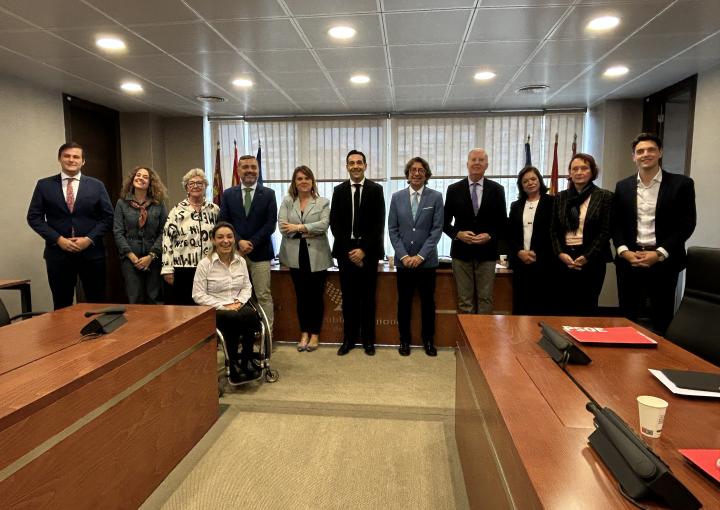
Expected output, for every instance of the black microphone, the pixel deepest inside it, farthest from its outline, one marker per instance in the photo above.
(110, 309)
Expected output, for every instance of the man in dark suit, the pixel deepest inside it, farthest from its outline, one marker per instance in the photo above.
(653, 216)
(475, 215)
(72, 212)
(357, 221)
(252, 210)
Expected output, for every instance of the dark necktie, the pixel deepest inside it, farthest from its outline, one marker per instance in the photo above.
(356, 211)
(474, 197)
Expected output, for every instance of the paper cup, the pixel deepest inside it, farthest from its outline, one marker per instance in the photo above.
(652, 415)
(391, 262)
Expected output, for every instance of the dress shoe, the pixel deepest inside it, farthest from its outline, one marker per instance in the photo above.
(430, 349)
(345, 348)
(313, 344)
(370, 350)
(404, 350)
(303, 343)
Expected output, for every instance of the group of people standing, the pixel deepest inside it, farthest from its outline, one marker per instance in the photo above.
(201, 253)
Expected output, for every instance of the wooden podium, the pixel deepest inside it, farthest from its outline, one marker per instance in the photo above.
(99, 423)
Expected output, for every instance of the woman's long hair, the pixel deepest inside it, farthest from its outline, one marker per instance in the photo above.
(156, 189)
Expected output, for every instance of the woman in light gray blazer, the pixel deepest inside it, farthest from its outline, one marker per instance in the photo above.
(304, 218)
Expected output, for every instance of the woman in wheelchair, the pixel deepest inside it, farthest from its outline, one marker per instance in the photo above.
(222, 281)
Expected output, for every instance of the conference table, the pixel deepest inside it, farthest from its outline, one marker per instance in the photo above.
(100, 422)
(521, 425)
(24, 287)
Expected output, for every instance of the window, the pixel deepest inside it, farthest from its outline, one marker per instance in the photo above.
(389, 143)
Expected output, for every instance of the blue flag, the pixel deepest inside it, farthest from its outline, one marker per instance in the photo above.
(259, 160)
(528, 159)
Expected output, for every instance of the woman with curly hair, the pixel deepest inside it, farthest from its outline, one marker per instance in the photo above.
(140, 215)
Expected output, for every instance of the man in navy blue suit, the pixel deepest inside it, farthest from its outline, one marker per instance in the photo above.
(252, 210)
(72, 212)
(415, 224)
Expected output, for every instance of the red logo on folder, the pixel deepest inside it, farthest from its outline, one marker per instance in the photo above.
(622, 335)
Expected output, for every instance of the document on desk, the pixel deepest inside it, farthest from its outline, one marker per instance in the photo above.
(704, 459)
(681, 391)
(625, 335)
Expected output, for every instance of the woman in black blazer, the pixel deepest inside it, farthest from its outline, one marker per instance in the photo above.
(581, 238)
(532, 259)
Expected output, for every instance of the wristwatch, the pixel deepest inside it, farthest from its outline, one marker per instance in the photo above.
(660, 255)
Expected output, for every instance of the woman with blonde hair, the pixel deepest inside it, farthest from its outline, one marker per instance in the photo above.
(304, 218)
(140, 215)
(186, 238)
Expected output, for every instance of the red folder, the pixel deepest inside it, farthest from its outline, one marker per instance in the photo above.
(619, 336)
(705, 459)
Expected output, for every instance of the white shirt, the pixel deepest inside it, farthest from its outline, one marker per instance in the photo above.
(354, 190)
(576, 238)
(216, 284)
(419, 192)
(75, 183)
(528, 219)
(480, 185)
(647, 197)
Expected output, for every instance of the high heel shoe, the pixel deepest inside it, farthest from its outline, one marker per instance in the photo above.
(303, 343)
(313, 344)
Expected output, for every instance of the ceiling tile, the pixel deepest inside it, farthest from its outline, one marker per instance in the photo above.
(232, 9)
(553, 75)
(514, 24)
(40, 45)
(378, 78)
(421, 55)
(183, 37)
(584, 51)
(371, 57)
(311, 95)
(323, 7)
(261, 34)
(423, 76)
(466, 76)
(689, 17)
(283, 60)
(131, 12)
(419, 93)
(8, 22)
(213, 63)
(65, 14)
(410, 5)
(366, 25)
(490, 53)
(365, 93)
(299, 80)
(475, 91)
(412, 27)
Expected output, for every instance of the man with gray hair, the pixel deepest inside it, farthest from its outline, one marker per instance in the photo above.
(475, 215)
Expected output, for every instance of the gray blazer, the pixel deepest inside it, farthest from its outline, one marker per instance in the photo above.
(420, 235)
(130, 238)
(316, 219)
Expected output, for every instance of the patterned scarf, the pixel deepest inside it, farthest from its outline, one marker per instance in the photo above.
(143, 210)
(575, 200)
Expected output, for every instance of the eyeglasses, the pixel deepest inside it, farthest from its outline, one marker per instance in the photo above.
(195, 184)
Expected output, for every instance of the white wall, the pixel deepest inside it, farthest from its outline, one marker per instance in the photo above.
(705, 164)
(31, 131)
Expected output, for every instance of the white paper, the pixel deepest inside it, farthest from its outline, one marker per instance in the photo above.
(681, 391)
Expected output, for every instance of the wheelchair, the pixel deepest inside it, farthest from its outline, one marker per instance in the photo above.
(260, 358)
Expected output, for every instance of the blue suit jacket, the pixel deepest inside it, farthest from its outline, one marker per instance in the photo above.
(258, 226)
(419, 235)
(92, 215)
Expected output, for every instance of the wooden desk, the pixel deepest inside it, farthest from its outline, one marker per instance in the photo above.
(521, 424)
(446, 330)
(24, 287)
(100, 423)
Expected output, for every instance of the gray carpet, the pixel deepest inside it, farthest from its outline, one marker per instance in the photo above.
(334, 432)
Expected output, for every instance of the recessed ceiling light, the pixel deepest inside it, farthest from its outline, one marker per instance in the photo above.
(131, 86)
(484, 75)
(242, 83)
(342, 32)
(360, 79)
(615, 71)
(110, 43)
(603, 23)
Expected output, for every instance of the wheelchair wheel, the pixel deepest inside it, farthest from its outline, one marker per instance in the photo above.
(271, 375)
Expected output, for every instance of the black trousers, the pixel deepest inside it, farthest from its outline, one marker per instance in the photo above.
(422, 279)
(647, 293)
(63, 274)
(579, 290)
(238, 327)
(358, 285)
(534, 288)
(180, 292)
(309, 289)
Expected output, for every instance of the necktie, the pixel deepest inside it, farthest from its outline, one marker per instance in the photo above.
(70, 195)
(356, 211)
(414, 205)
(474, 197)
(246, 200)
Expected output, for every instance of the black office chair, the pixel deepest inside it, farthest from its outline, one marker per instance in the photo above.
(5, 318)
(696, 325)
